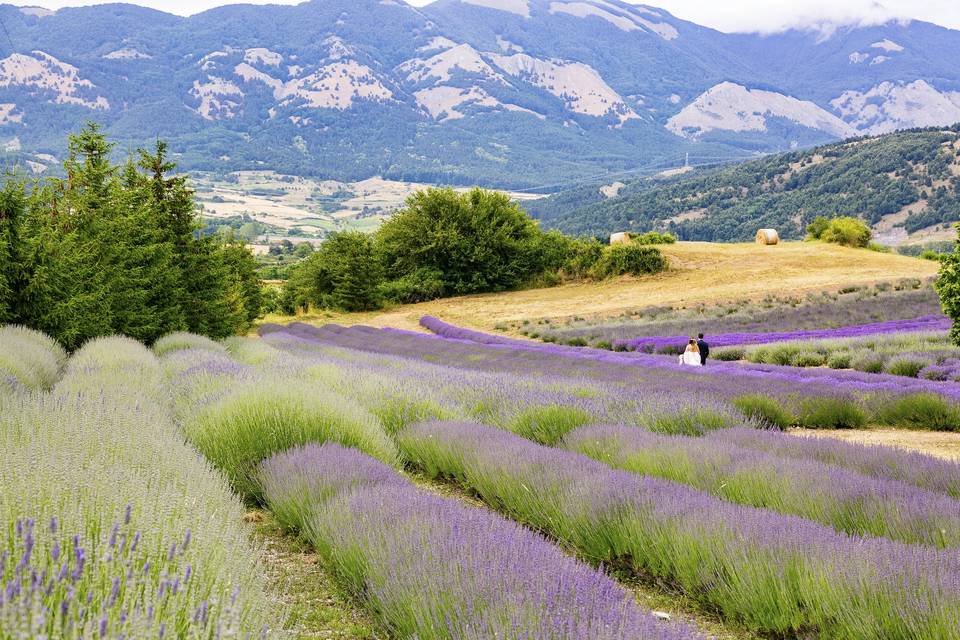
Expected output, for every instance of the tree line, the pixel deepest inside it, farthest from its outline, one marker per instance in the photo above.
(445, 243)
(115, 248)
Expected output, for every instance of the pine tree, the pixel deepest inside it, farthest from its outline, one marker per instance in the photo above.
(12, 206)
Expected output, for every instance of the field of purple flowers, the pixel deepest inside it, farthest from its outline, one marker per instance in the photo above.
(655, 328)
(588, 468)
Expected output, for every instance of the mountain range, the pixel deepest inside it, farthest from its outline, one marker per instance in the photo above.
(525, 94)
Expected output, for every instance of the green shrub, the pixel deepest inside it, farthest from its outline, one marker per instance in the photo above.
(905, 366)
(782, 354)
(257, 420)
(867, 362)
(808, 359)
(729, 354)
(396, 412)
(839, 360)
(689, 422)
(548, 424)
(767, 411)
(630, 259)
(654, 237)
(830, 413)
(419, 286)
(920, 411)
(847, 231)
(930, 254)
(816, 228)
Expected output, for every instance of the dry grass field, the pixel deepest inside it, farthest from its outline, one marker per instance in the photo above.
(935, 443)
(699, 272)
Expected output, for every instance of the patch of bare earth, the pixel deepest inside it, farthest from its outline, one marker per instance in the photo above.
(935, 443)
(300, 584)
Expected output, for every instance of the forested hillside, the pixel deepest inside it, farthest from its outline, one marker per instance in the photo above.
(900, 183)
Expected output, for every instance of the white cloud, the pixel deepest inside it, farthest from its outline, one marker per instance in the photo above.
(765, 16)
(822, 15)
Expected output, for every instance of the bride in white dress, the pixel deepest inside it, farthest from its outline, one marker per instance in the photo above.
(691, 356)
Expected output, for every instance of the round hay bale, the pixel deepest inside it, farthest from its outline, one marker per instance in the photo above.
(768, 237)
(621, 237)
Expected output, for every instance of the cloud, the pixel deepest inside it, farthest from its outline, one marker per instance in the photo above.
(824, 16)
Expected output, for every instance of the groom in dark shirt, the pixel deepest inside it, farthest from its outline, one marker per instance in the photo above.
(704, 349)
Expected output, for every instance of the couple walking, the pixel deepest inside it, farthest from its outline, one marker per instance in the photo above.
(696, 352)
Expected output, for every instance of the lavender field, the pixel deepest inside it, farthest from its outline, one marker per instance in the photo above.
(573, 474)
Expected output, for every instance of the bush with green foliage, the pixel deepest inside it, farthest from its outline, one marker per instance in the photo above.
(920, 411)
(632, 259)
(847, 231)
(948, 288)
(816, 228)
(479, 240)
(444, 243)
(344, 273)
(765, 410)
(830, 413)
(654, 237)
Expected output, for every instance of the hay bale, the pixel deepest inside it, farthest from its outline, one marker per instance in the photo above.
(768, 237)
(622, 237)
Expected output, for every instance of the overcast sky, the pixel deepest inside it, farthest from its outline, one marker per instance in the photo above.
(726, 15)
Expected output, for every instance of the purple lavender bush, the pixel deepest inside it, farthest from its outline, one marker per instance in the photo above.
(61, 584)
(772, 572)
(431, 567)
(843, 499)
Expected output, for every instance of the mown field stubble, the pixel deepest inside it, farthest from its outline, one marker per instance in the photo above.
(700, 272)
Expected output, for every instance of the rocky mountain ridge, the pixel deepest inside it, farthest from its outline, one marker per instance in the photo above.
(515, 93)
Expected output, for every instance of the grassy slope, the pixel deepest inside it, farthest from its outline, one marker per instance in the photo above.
(700, 272)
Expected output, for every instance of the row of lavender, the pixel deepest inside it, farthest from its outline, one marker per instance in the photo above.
(441, 569)
(657, 394)
(915, 508)
(866, 396)
(112, 526)
(776, 573)
(365, 364)
(824, 310)
(676, 344)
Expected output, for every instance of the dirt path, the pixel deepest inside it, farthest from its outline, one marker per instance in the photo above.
(700, 272)
(934, 443)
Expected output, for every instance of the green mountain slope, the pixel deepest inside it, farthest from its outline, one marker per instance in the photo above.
(906, 185)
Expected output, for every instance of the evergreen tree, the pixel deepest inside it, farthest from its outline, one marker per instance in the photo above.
(12, 206)
(114, 250)
(358, 276)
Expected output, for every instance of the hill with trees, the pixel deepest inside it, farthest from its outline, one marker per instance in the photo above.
(901, 184)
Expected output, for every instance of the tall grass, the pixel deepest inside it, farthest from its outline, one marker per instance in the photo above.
(257, 419)
(149, 535)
